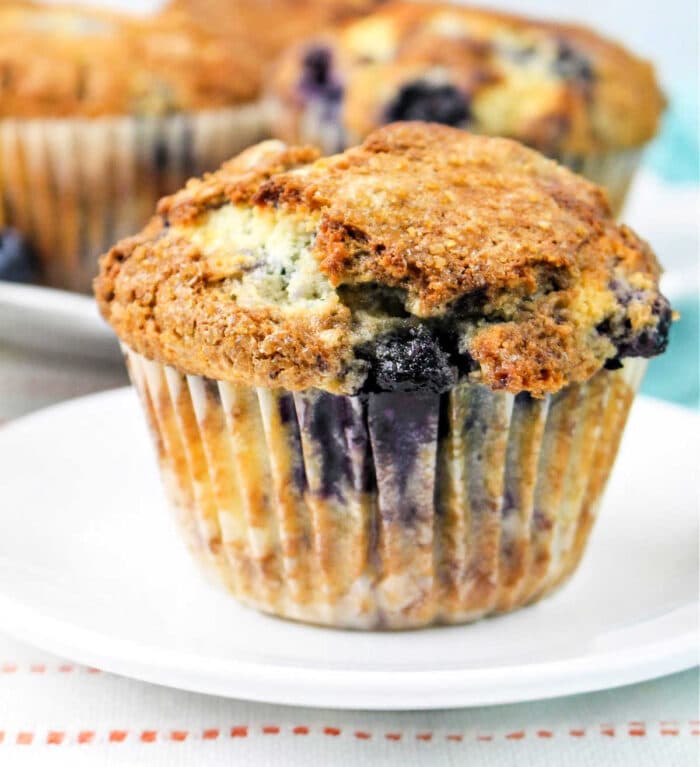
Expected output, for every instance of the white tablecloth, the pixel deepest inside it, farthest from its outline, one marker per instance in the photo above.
(55, 712)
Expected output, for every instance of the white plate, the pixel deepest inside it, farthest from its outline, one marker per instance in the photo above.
(55, 321)
(91, 569)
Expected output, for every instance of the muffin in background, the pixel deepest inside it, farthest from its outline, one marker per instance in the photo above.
(386, 387)
(562, 89)
(101, 115)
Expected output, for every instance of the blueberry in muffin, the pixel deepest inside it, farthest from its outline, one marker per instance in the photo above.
(431, 103)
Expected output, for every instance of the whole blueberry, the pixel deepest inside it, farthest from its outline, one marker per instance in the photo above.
(429, 102)
(17, 260)
(408, 359)
(650, 341)
(646, 342)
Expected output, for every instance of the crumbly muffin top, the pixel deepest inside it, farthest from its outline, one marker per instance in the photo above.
(59, 61)
(561, 89)
(421, 257)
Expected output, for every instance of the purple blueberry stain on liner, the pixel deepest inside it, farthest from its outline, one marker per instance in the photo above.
(357, 436)
(444, 425)
(326, 418)
(524, 409)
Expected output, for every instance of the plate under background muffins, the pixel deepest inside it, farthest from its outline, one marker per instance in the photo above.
(562, 89)
(386, 387)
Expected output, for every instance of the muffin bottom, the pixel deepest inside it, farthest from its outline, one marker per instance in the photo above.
(76, 186)
(391, 511)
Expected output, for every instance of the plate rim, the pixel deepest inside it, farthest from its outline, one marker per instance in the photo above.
(364, 689)
(47, 300)
(368, 689)
(49, 320)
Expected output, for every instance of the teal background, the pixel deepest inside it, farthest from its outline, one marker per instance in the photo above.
(674, 376)
(673, 156)
(675, 159)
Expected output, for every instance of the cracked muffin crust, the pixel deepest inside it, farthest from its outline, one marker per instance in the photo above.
(559, 88)
(424, 257)
(62, 60)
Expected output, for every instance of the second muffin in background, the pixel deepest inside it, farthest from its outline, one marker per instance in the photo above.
(575, 96)
(386, 387)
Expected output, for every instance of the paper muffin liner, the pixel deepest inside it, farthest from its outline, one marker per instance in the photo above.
(613, 170)
(389, 511)
(75, 186)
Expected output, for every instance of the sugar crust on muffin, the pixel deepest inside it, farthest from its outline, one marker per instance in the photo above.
(425, 256)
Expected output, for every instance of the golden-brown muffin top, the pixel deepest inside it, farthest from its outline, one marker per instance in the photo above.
(559, 88)
(424, 255)
(58, 61)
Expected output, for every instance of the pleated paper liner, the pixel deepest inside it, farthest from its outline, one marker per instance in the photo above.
(391, 511)
(76, 186)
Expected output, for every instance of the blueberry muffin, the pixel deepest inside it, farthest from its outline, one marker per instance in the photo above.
(386, 387)
(102, 114)
(576, 97)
